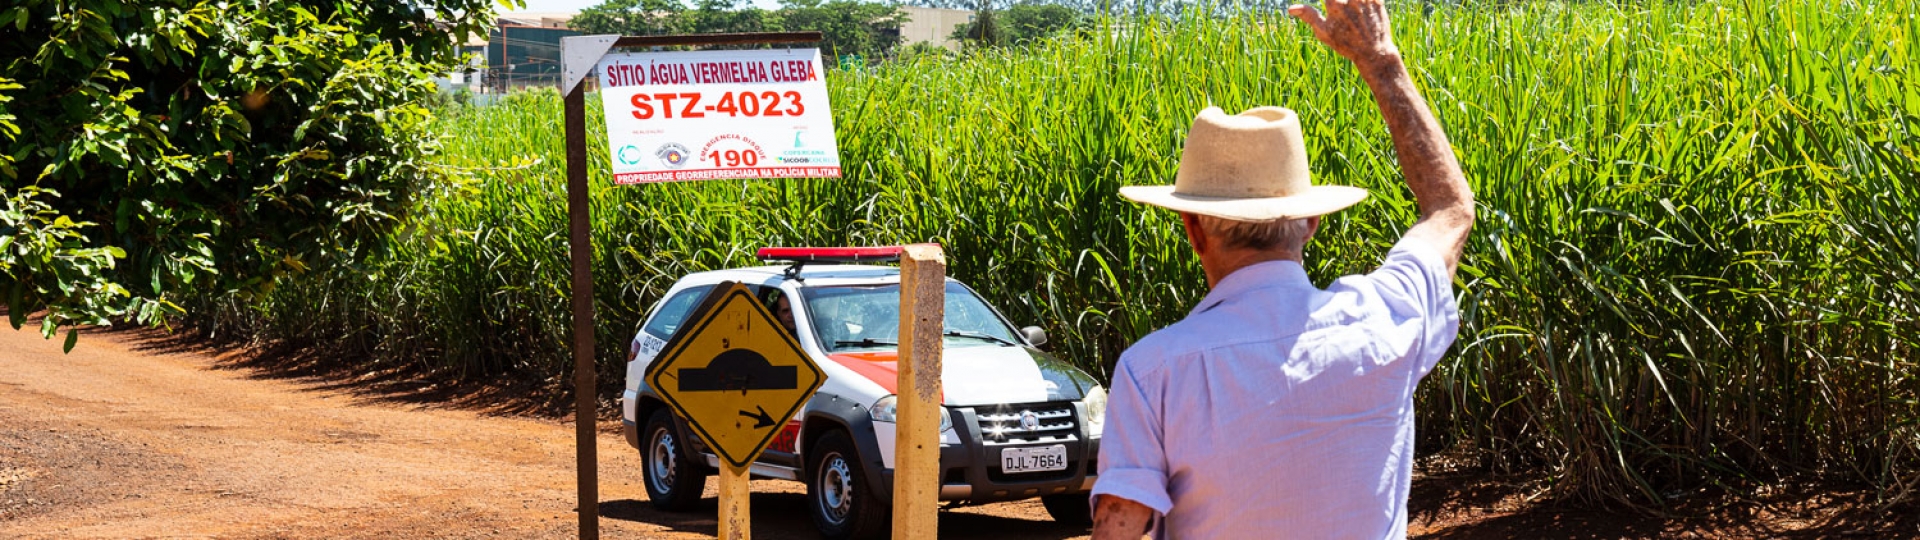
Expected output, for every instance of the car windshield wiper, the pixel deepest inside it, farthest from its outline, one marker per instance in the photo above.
(864, 342)
(978, 335)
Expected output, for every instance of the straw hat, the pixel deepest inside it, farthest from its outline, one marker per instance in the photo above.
(1250, 166)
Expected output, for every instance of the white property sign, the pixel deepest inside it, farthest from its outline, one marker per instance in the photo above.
(706, 115)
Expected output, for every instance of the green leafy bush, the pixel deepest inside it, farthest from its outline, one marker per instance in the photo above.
(163, 145)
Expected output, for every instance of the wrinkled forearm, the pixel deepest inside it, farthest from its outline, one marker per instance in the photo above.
(1426, 157)
(1426, 160)
(1115, 518)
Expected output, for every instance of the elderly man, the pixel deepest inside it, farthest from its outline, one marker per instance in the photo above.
(1278, 409)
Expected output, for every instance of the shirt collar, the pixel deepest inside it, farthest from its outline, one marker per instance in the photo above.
(1252, 277)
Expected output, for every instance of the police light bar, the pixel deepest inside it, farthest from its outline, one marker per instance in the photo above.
(830, 254)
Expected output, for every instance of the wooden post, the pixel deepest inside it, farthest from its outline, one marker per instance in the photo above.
(575, 67)
(580, 250)
(734, 496)
(916, 463)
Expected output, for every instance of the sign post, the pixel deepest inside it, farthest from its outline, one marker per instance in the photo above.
(737, 376)
(580, 56)
(916, 473)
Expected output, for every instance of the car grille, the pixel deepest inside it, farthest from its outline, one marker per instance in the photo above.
(1002, 424)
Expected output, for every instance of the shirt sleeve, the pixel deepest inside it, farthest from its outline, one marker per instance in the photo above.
(1133, 462)
(1417, 290)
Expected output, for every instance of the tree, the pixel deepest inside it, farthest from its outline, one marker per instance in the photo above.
(717, 16)
(1019, 24)
(1023, 23)
(632, 18)
(162, 145)
(847, 27)
(982, 31)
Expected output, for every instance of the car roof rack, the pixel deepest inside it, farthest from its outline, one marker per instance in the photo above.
(800, 256)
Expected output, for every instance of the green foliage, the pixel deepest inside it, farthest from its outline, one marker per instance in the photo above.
(848, 27)
(1700, 223)
(174, 144)
(983, 30)
(633, 18)
(920, 49)
(1020, 24)
(728, 16)
(43, 243)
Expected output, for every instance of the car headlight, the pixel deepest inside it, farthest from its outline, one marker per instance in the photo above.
(1096, 401)
(887, 409)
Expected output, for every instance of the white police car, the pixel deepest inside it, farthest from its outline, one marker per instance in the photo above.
(1018, 423)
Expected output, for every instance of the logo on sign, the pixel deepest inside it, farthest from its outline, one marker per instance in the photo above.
(672, 155)
(629, 154)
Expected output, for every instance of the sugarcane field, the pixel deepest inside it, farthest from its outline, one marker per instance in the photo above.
(1035, 269)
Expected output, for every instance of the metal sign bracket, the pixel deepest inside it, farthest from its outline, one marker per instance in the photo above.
(578, 56)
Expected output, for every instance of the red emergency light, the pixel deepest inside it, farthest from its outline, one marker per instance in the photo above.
(830, 254)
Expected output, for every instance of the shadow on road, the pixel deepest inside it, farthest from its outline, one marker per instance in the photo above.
(322, 370)
(784, 515)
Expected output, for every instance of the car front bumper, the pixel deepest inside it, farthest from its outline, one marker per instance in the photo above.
(977, 478)
(970, 470)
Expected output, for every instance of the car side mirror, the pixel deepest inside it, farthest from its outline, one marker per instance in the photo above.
(1034, 335)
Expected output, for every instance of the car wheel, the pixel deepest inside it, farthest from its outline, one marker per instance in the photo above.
(673, 481)
(842, 505)
(1069, 509)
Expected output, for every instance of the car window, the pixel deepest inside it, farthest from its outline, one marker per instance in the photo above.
(867, 317)
(674, 311)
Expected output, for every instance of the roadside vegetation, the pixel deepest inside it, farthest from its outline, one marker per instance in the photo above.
(848, 28)
(1694, 267)
(154, 148)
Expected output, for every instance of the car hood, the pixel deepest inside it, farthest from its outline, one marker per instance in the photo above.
(984, 375)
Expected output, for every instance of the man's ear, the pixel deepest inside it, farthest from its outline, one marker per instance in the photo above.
(1313, 226)
(1196, 234)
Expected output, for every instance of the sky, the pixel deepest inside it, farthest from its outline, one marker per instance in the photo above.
(545, 6)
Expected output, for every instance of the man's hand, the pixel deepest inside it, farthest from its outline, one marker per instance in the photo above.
(1356, 29)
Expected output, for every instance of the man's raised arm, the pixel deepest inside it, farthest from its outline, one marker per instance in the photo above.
(1358, 30)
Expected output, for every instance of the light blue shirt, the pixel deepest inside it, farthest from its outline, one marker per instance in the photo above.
(1277, 409)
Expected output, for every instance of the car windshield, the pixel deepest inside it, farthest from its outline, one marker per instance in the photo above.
(867, 318)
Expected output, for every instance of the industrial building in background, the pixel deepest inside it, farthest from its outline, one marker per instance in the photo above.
(933, 25)
(524, 50)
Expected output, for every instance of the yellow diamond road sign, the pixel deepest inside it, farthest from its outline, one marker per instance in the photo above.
(735, 374)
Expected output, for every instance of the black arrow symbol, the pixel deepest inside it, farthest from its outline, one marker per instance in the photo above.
(759, 420)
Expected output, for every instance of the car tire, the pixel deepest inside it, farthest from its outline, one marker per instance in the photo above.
(1069, 509)
(842, 504)
(674, 482)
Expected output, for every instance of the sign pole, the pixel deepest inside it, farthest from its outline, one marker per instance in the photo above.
(585, 383)
(734, 523)
(916, 473)
(579, 57)
(737, 376)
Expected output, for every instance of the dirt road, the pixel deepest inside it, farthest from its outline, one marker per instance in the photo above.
(128, 437)
(135, 436)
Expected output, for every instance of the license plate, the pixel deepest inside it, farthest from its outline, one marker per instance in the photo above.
(1036, 459)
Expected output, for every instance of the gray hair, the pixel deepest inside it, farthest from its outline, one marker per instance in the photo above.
(1285, 234)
